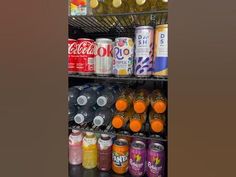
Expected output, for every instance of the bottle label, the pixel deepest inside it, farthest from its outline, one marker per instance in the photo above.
(89, 141)
(75, 139)
(104, 144)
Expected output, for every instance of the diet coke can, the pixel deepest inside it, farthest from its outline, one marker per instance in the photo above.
(72, 55)
(85, 62)
(103, 57)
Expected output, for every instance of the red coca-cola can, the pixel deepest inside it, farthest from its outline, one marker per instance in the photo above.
(72, 55)
(85, 51)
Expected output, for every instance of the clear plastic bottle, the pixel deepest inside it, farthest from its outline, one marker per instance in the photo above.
(141, 101)
(74, 92)
(137, 121)
(85, 115)
(89, 96)
(158, 101)
(72, 111)
(157, 121)
(103, 116)
(75, 147)
(108, 96)
(120, 119)
(125, 100)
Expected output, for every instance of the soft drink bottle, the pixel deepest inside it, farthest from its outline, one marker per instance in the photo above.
(103, 116)
(100, 6)
(84, 115)
(72, 111)
(157, 121)
(89, 96)
(137, 121)
(158, 101)
(75, 147)
(125, 100)
(108, 96)
(120, 119)
(74, 92)
(141, 101)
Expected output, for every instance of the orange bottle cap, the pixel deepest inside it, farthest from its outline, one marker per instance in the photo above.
(121, 105)
(139, 106)
(157, 126)
(117, 122)
(159, 106)
(135, 125)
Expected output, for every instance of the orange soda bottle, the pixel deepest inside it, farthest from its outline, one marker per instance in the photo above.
(137, 121)
(158, 101)
(121, 118)
(124, 101)
(157, 121)
(141, 101)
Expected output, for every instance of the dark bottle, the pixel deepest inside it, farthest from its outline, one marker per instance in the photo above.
(72, 111)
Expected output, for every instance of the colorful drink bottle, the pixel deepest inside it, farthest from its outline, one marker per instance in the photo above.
(75, 147)
(158, 101)
(157, 121)
(104, 152)
(137, 158)
(136, 122)
(140, 101)
(89, 151)
(121, 118)
(124, 101)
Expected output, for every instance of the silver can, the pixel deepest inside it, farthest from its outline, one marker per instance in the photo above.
(143, 51)
(123, 57)
(103, 56)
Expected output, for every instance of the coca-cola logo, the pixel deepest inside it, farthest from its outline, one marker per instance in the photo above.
(85, 48)
(72, 48)
(104, 51)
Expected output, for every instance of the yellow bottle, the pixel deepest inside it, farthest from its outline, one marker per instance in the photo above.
(120, 6)
(143, 5)
(100, 6)
(89, 149)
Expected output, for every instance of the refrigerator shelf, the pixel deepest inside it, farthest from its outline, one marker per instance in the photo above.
(132, 78)
(115, 25)
(111, 131)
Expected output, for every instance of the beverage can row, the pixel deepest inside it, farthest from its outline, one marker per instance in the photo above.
(122, 58)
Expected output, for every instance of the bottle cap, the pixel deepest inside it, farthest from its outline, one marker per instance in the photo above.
(93, 3)
(140, 2)
(121, 105)
(102, 101)
(89, 133)
(159, 106)
(82, 100)
(139, 106)
(116, 3)
(117, 121)
(75, 131)
(79, 118)
(135, 125)
(157, 125)
(98, 121)
(105, 135)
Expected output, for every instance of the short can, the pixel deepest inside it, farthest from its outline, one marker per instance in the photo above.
(160, 63)
(137, 158)
(72, 56)
(120, 155)
(103, 56)
(155, 160)
(123, 56)
(143, 51)
(85, 50)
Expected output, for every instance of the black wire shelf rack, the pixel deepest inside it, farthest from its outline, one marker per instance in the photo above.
(115, 24)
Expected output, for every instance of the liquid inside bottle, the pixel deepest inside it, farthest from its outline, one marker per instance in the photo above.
(85, 115)
(141, 101)
(157, 121)
(158, 101)
(125, 100)
(72, 111)
(120, 119)
(137, 121)
(103, 116)
(75, 147)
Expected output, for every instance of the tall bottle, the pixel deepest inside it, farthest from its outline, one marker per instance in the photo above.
(158, 101)
(100, 6)
(73, 93)
(120, 119)
(108, 96)
(89, 96)
(104, 152)
(157, 121)
(141, 101)
(75, 147)
(89, 151)
(143, 5)
(120, 6)
(137, 121)
(72, 111)
(125, 100)
(103, 116)
(85, 115)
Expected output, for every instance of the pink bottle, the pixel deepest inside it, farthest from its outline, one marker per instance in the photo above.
(75, 147)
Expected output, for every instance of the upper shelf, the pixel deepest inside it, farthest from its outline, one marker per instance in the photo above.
(116, 24)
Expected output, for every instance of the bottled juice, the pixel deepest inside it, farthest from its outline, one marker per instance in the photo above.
(120, 6)
(157, 121)
(158, 101)
(124, 101)
(137, 121)
(75, 147)
(100, 6)
(141, 101)
(121, 118)
(143, 5)
(89, 151)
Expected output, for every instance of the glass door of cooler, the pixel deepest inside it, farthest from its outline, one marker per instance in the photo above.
(117, 88)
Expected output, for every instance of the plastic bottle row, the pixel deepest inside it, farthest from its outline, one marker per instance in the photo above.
(104, 152)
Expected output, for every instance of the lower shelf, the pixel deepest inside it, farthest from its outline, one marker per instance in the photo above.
(79, 171)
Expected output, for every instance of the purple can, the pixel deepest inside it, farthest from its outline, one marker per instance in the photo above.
(155, 160)
(137, 158)
(139, 137)
(143, 51)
